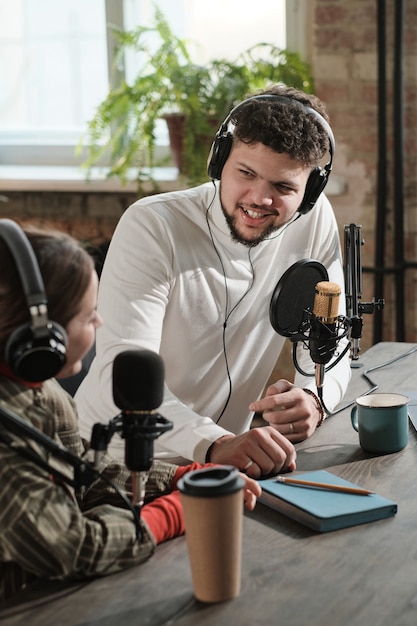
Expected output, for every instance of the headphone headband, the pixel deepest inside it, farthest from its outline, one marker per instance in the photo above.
(223, 141)
(24, 257)
(36, 350)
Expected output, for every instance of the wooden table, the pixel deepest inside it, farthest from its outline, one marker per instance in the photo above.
(291, 576)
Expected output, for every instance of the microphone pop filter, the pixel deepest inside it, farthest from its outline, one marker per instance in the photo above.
(138, 380)
(294, 294)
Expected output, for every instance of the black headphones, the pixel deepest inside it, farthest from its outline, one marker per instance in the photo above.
(223, 141)
(36, 350)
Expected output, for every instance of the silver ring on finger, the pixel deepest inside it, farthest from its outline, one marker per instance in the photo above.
(291, 428)
(248, 465)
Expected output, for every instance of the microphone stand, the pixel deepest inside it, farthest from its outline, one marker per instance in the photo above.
(139, 429)
(353, 285)
(352, 324)
(309, 326)
(320, 339)
(84, 473)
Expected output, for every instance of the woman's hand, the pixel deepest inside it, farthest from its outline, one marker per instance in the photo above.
(251, 491)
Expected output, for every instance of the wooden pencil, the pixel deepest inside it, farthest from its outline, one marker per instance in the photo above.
(309, 483)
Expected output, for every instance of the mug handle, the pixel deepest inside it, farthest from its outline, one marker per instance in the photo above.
(354, 417)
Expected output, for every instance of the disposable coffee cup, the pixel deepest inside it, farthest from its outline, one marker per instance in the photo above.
(381, 420)
(212, 500)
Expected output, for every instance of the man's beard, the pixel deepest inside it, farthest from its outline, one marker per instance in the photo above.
(236, 236)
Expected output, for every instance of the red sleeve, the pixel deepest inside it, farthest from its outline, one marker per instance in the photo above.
(183, 469)
(164, 517)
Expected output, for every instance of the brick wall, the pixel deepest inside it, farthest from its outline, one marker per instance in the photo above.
(345, 63)
(87, 216)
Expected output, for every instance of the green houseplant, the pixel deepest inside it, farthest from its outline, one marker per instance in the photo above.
(171, 86)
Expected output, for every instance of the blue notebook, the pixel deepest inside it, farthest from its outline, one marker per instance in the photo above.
(322, 509)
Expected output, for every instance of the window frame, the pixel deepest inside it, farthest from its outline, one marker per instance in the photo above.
(24, 150)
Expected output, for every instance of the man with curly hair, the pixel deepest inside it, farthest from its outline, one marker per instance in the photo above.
(189, 274)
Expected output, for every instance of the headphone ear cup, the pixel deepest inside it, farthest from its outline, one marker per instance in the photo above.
(315, 185)
(37, 354)
(219, 153)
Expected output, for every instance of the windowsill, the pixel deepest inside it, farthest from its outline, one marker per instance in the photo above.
(67, 178)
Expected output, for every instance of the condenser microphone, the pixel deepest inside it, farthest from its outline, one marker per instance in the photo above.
(304, 307)
(138, 388)
(323, 336)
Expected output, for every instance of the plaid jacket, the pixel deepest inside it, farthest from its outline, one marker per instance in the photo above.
(46, 530)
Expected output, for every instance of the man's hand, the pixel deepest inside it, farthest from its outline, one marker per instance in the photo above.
(258, 452)
(289, 409)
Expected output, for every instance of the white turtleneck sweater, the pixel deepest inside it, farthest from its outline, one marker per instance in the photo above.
(163, 288)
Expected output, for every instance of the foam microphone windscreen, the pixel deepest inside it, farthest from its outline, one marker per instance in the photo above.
(138, 380)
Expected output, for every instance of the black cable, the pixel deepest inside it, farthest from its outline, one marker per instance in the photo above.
(373, 385)
(228, 314)
(364, 374)
(226, 319)
(328, 368)
(303, 373)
